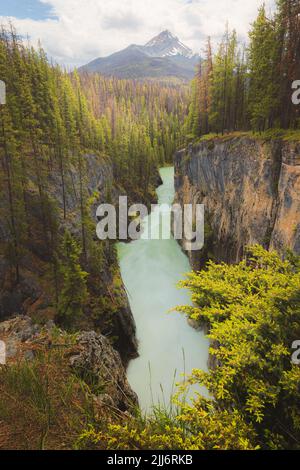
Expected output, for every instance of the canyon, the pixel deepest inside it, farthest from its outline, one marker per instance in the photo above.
(250, 188)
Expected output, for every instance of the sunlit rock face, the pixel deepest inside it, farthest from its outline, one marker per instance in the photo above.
(251, 192)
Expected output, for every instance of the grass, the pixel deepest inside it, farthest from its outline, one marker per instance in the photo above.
(46, 404)
(43, 404)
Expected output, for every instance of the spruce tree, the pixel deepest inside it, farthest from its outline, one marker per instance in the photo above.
(73, 295)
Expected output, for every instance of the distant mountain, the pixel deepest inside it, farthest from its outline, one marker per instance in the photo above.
(167, 45)
(162, 57)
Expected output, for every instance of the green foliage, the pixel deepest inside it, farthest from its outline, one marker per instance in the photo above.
(53, 129)
(218, 97)
(143, 122)
(253, 313)
(263, 86)
(73, 295)
(243, 89)
(186, 427)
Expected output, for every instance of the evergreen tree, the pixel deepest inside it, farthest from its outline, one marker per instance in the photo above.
(263, 85)
(288, 69)
(73, 295)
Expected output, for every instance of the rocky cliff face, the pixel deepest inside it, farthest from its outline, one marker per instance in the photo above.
(108, 310)
(251, 192)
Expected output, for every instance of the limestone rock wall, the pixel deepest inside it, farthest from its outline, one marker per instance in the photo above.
(251, 192)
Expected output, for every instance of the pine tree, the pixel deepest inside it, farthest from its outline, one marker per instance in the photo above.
(73, 295)
(263, 81)
(288, 69)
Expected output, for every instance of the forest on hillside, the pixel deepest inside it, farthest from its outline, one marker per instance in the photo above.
(241, 88)
(143, 121)
(54, 129)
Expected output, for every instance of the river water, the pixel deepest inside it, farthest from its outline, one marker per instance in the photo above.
(168, 346)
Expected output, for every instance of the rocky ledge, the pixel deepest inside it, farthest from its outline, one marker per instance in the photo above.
(89, 355)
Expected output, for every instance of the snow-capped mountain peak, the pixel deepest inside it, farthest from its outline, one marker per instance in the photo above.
(162, 57)
(161, 38)
(166, 44)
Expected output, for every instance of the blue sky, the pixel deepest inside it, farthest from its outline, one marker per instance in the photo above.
(25, 9)
(74, 32)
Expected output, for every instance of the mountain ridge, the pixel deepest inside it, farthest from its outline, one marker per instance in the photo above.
(164, 56)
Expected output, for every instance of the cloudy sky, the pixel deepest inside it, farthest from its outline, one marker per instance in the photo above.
(76, 31)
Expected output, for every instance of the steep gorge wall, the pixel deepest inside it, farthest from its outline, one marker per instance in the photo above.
(251, 192)
(108, 310)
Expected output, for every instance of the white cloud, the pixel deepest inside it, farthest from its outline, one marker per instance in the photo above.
(86, 29)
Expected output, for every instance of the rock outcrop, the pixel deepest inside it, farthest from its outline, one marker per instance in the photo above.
(251, 192)
(91, 357)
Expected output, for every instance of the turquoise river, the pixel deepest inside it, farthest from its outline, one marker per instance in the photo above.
(168, 346)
